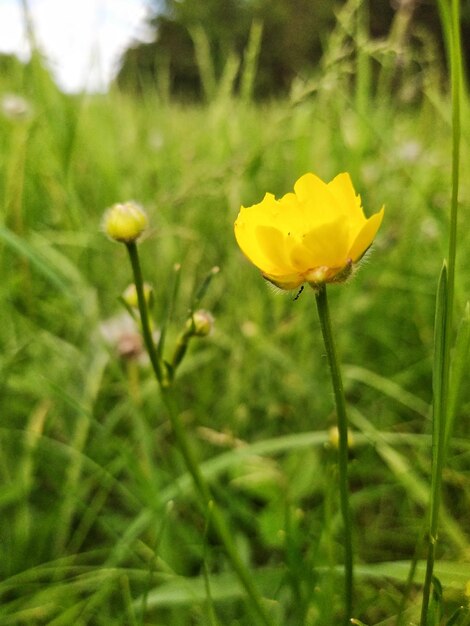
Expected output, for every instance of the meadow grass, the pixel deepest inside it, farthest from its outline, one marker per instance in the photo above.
(100, 521)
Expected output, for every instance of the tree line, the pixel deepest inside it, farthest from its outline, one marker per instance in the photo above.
(199, 42)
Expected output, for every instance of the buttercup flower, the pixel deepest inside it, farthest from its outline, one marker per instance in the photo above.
(313, 235)
(125, 222)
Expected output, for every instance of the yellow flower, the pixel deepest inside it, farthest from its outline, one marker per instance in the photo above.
(313, 235)
(125, 222)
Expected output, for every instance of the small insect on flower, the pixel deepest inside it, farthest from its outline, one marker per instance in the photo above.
(315, 235)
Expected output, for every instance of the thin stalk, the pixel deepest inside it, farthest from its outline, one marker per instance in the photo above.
(363, 70)
(456, 80)
(211, 615)
(192, 465)
(325, 323)
(155, 360)
(211, 508)
(445, 303)
(440, 383)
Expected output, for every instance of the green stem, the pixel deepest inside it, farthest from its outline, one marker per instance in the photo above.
(456, 80)
(155, 360)
(445, 303)
(440, 388)
(218, 521)
(325, 323)
(210, 507)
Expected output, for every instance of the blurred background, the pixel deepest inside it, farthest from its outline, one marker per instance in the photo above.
(193, 108)
(88, 45)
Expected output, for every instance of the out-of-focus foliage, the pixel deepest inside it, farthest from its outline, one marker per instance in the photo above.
(191, 33)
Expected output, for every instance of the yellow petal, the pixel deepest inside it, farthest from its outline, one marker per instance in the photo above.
(265, 211)
(319, 204)
(262, 213)
(366, 236)
(308, 186)
(265, 247)
(272, 243)
(245, 234)
(326, 245)
(259, 235)
(281, 213)
(292, 281)
(342, 189)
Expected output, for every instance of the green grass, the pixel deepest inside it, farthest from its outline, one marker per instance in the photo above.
(100, 523)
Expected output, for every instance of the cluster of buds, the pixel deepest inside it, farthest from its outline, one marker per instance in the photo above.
(126, 223)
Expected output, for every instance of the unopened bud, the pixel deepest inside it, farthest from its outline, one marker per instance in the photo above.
(125, 222)
(130, 296)
(200, 324)
(15, 107)
(121, 333)
(333, 436)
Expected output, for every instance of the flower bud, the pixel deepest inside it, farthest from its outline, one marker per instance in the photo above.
(130, 296)
(125, 222)
(14, 107)
(333, 436)
(200, 324)
(121, 333)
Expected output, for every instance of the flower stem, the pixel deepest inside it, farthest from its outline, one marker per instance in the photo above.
(155, 360)
(440, 390)
(209, 506)
(450, 18)
(325, 323)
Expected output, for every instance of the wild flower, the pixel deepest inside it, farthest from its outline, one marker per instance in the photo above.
(315, 235)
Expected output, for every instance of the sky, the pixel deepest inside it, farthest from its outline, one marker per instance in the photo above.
(81, 39)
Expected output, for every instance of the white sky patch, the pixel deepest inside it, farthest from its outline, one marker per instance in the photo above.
(81, 39)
